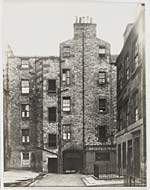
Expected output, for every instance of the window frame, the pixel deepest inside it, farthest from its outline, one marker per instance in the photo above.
(66, 107)
(25, 86)
(102, 133)
(102, 79)
(52, 90)
(25, 111)
(66, 51)
(23, 65)
(66, 77)
(52, 143)
(103, 53)
(25, 136)
(104, 108)
(50, 120)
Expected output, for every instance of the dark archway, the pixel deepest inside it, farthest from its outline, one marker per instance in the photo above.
(72, 160)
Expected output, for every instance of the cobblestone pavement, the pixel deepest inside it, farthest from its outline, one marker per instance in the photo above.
(57, 180)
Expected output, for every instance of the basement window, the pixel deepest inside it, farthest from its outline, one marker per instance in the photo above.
(25, 111)
(25, 159)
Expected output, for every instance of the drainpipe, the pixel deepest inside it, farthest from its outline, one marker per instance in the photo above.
(83, 111)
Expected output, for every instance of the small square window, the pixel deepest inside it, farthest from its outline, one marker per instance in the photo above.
(51, 86)
(66, 104)
(102, 105)
(25, 86)
(24, 64)
(25, 111)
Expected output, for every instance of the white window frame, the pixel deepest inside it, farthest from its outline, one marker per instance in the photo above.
(24, 64)
(25, 86)
(25, 164)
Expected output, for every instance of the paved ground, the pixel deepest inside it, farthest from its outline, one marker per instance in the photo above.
(57, 180)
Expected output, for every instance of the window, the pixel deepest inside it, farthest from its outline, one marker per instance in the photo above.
(102, 51)
(52, 140)
(136, 107)
(102, 105)
(66, 132)
(51, 86)
(124, 155)
(25, 111)
(66, 51)
(102, 77)
(25, 159)
(126, 107)
(25, 86)
(104, 156)
(135, 56)
(25, 136)
(119, 156)
(24, 64)
(66, 76)
(127, 72)
(102, 133)
(66, 104)
(52, 114)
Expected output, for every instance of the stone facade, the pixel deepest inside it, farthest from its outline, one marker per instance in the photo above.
(131, 135)
(78, 133)
(81, 56)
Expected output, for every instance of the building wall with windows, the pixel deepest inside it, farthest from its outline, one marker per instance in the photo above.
(131, 147)
(90, 118)
(22, 129)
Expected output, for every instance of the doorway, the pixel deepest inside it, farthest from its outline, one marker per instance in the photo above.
(52, 165)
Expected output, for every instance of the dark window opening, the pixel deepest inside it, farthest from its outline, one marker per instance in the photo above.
(25, 136)
(102, 51)
(102, 105)
(51, 86)
(52, 114)
(102, 133)
(52, 140)
(102, 77)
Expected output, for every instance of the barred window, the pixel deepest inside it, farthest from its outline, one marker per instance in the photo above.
(66, 104)
(24, 86)
(25, 136)
(25, 111)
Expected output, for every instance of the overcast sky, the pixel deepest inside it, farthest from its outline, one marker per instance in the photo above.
(36, 27)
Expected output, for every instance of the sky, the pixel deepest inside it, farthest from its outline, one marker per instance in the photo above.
(37, 27)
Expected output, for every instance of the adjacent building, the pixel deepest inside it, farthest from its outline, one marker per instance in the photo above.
(131, 135)
(62, 110)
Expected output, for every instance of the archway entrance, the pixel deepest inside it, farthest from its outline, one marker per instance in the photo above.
(72, 160)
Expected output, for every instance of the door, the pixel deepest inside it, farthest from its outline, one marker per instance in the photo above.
(52, 165)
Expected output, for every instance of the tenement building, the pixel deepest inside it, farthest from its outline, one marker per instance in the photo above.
(131, 138)
(62, 110)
